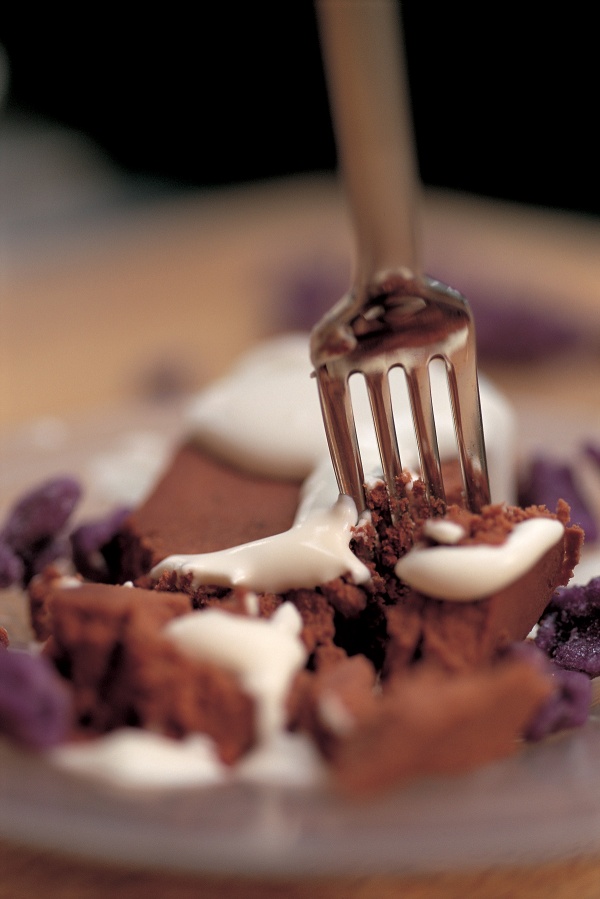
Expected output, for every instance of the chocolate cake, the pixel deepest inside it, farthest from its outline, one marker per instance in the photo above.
(388, 681)
(107, 641)
(200, 505)
(247, 604)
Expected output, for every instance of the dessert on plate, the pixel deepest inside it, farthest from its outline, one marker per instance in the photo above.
(243, 613)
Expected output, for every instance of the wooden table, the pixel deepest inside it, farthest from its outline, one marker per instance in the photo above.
(166, 295)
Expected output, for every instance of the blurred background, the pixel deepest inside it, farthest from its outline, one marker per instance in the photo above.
(168, 192)
(504, 103)
(168, 198)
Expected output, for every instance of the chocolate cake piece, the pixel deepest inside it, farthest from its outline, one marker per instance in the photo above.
(422, 723)
(107, 642)
(201, 505)
(395, 626)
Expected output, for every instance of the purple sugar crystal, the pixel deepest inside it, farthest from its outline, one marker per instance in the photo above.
(94, 547)
(35, 703)
(547, 482)
(41, 514)
(569, 629)
(568, 706)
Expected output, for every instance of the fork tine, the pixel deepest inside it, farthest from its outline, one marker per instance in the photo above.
(466, 409)
(378, 387)
(419, 391)
(340, 428)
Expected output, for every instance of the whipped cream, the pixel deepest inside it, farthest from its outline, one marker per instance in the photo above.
(264, 653)
(133, 757)
(466, 573)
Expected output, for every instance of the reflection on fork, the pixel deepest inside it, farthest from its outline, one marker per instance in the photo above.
(405, 322)
(394, 316)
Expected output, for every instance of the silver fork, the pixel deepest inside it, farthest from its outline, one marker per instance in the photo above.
(393, 315)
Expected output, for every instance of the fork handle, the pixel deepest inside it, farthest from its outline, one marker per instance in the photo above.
(365, 69)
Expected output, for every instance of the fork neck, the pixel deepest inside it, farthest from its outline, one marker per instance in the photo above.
(365, 68)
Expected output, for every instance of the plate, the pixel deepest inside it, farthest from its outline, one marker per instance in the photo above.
(540, 805)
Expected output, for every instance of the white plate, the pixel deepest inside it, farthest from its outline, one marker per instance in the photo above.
(540, 805)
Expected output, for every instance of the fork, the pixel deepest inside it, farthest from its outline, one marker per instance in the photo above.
(394, 315)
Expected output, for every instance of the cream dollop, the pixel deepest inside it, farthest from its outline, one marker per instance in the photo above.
(264, 653)
(132, 757)
(465, 573)
(315, 550)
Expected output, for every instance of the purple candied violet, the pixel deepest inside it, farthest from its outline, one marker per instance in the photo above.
(547, 482)
(32, 530)
(579, 600)
(569, 703)
(94, 546)
(568, 706)
(35, 703)
(41, 514)
(569, 629)
(11, 566)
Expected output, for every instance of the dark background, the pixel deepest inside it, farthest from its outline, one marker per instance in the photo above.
(505, 99)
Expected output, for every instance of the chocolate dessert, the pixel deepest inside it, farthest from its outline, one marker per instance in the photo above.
(381, 670)
(246, 605)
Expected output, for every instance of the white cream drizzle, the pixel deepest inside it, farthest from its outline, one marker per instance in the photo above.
(264, 653)
(465, 573)
(314, 551)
